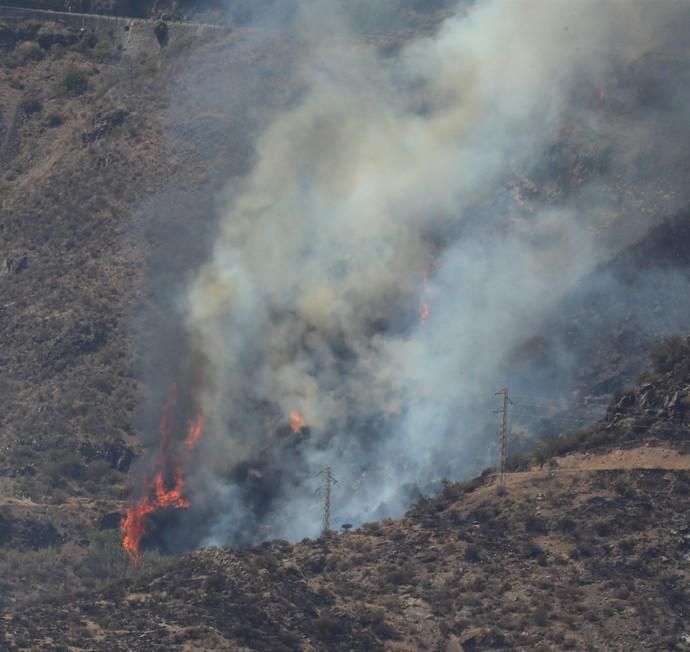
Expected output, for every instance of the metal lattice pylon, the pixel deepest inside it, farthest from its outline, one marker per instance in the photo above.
(328, 482)
(503, 436)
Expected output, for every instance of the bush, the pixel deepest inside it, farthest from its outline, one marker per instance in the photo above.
(215, 583)
(30, 104)
(535, 525)
(73, 82)
(330, 628)
(400, 576)
(66, 466)
(536, 552)
(567, 524)
(162, 33)
(54, 119)
(602, 528)
(472, 553)
(29, 51)
(87, 41)
(103, 53)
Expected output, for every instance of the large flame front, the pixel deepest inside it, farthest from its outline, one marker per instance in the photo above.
(165, 488)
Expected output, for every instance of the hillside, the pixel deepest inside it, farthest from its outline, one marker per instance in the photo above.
(121, 151)
(598, 338)
(589, 554)
(107, 195)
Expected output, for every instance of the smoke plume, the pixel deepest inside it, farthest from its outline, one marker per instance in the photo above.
(374, 268)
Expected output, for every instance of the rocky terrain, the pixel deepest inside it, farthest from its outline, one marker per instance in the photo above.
(112, 153)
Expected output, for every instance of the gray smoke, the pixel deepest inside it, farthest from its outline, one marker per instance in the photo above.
(388, 187)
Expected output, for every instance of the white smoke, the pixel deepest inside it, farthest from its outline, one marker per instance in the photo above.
(388, 170)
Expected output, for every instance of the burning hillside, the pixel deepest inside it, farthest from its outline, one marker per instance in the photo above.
(164, 487)
(472, 174)
(337, 230)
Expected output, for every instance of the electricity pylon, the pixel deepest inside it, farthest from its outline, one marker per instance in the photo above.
(328, 481)
(503, 435)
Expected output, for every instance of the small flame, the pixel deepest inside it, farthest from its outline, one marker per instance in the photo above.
(165, 489)
(296, 421)
(424, 311)
(196, 427)
(602, 95)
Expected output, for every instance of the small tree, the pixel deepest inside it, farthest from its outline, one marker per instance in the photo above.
(162, 33)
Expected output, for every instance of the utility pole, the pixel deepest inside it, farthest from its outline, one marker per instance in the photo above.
(328, 481)
(503, 435)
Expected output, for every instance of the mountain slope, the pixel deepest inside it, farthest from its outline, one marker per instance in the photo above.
(111, 160)
(593, 553)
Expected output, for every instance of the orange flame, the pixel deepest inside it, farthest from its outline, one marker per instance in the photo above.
(296, 421)
(165, 489)
(196, 427)
(424, 310)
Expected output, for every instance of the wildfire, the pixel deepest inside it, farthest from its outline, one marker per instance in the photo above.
(424, 310)
(296, 421)
(196, 427)
(165, 489)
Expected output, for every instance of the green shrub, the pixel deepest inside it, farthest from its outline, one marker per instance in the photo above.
(103, 53)
(73, 81)
(162, 33)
